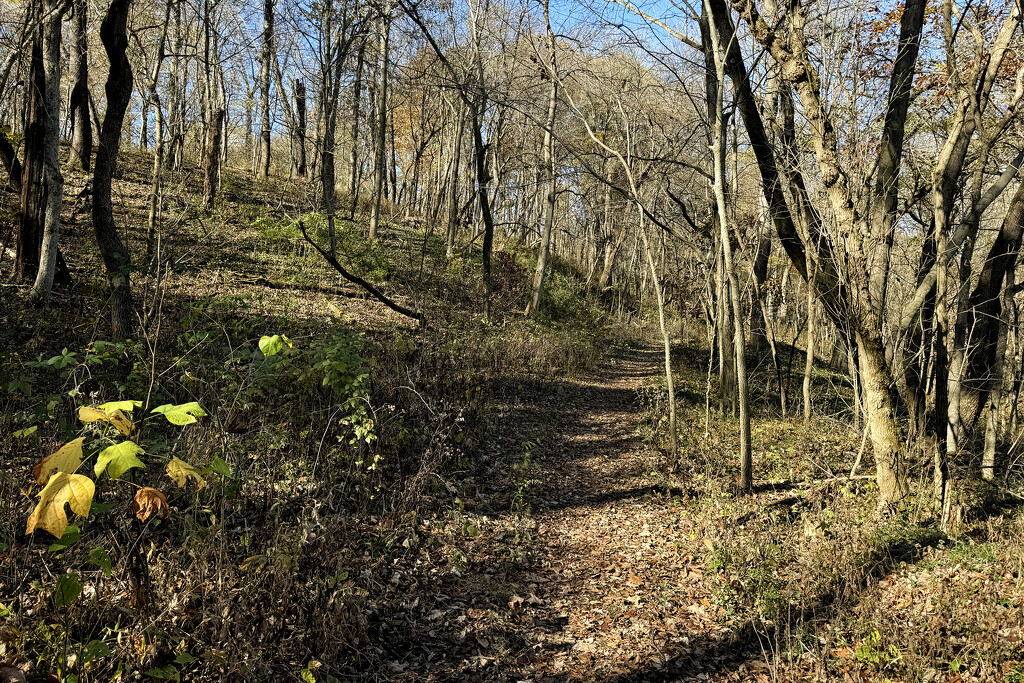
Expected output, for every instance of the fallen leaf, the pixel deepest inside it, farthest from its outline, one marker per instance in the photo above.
(149, 502)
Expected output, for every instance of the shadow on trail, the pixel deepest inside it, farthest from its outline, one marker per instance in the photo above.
(752, 639)
(616, 496)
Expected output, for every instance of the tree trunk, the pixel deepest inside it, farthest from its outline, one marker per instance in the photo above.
(995, 397)
(353, 150)
(9, 159)
(549, 168)
(453, 184)
(880, 413)
(33, 182)
(299, 132)
(267, 55)
(78, 104)
(718, 149)
(381, 114)
(113, 34)
(812, 323)
(211, 165)
(52, 178)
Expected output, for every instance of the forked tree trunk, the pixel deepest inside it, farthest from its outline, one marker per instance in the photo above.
(114, 35)
(33, 187)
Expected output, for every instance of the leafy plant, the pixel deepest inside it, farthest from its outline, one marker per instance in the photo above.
(63, 485)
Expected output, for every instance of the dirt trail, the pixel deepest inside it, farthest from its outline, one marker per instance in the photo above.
(612, 588)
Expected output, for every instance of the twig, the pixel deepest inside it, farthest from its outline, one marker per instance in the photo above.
(860, 452)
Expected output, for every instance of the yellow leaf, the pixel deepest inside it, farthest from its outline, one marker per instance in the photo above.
(113, 415)
(180, 471)
(149, 502)
(68, 458)
(74, 489)
(120, 405)
(89, 414)
(121, 421)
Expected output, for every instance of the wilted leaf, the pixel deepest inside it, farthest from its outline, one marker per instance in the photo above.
(149, 502)
(74, 489)
(101, 558)
(180, 471)
(121, 421)
(114, 416)
(68, 458)
(68, 588)
(121, 405)
(118, 459)
(182, 414)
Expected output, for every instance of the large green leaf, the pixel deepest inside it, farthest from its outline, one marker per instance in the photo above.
(118, 459)
(271, 346)
(68, 588)
(181, 414)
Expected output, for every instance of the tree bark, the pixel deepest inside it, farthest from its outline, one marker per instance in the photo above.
(381, 114)
(52, 177)
(81, 125)
(299, 132)
(549, 168)
(114, 35)
(267, 55)
(33, 182)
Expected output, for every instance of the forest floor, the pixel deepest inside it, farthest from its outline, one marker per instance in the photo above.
(590, 564)
(515, 516)
(610, 582)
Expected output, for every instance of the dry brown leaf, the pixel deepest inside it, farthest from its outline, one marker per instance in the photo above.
(149, 502)
(68, 458)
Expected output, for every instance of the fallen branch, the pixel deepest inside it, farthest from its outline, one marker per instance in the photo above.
(376, 293)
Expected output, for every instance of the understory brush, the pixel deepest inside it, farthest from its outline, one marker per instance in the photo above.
(281, 467)
(808, 570)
